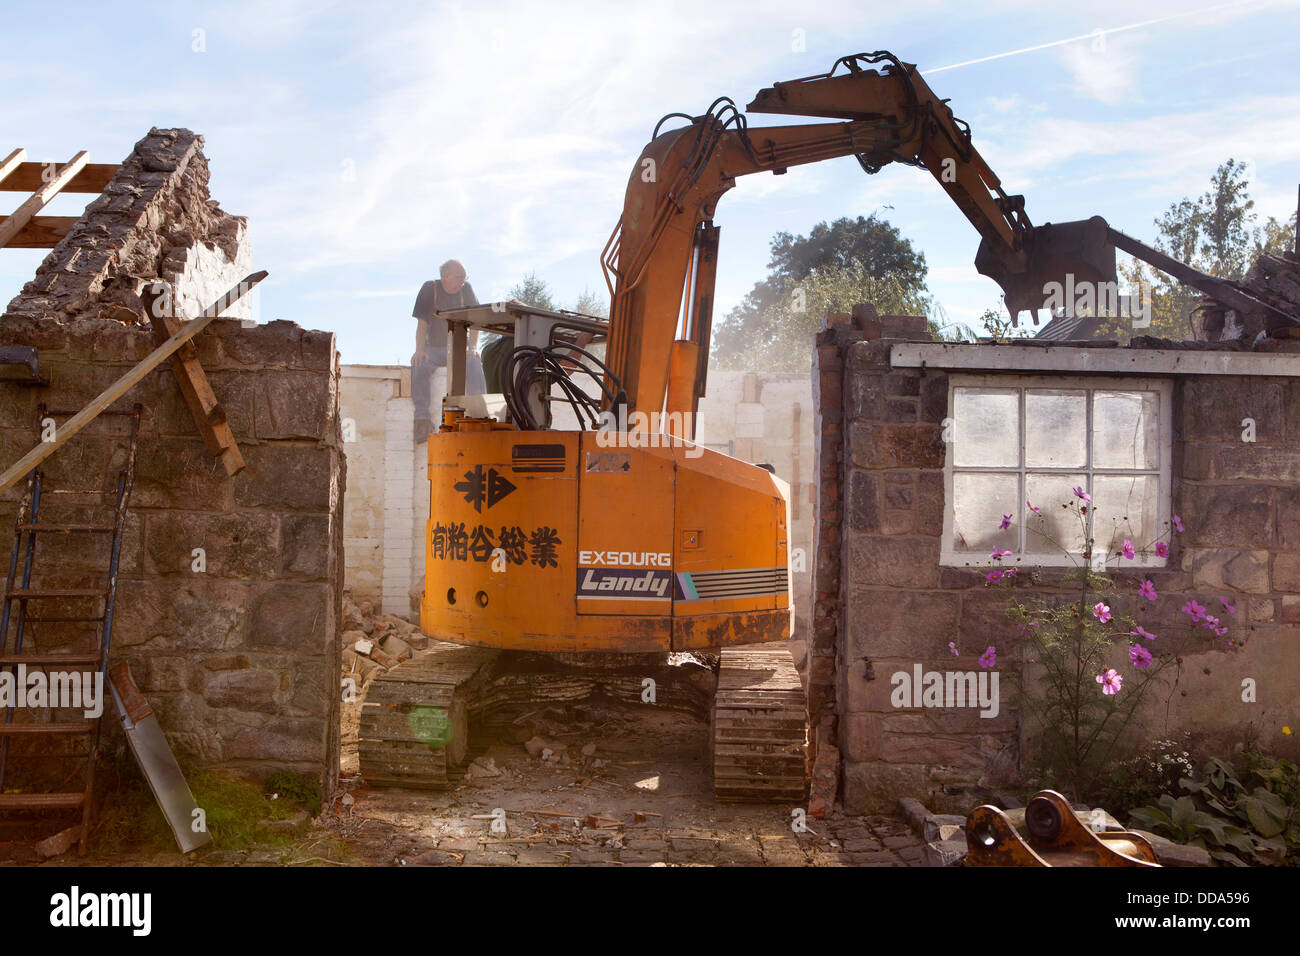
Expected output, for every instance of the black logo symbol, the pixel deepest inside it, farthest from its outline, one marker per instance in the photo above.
(478, 486)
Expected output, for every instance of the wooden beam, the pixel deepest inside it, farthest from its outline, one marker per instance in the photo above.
(29, 177)
(9, 228)
(208, 414)
(77, 422)
(11, 163)
(42, 232)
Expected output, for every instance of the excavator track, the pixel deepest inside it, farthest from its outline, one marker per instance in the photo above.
(759, 728)
(415, 718)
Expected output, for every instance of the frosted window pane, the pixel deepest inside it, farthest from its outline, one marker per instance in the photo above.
(1124, 429)
(988, 427)
(1056, 428)
(1126, 508)
(1057, 529)
(980, 501)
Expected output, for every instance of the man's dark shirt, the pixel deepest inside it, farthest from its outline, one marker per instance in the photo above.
(433, 298)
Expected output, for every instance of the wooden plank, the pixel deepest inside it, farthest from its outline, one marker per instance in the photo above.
(77, 422)
(10, 164)
(208, 414)
(93, 177)
(38, 200)
(42, 232)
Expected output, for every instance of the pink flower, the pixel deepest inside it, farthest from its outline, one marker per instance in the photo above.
(1148, 590)
(1032, 508)
(1162, 550)
(1230, 608)
(1210, 622)
(1009, 573)
(993, 576)
(990, 657)
(1006, 523)
(1140, 656)
(1127, 550)
(1143, 632)
(1195, 610)
(998, 554)
(1221, 631)
(1101, 612)
(1110, 681)
(1178, 523)
(1080, 493)
(953, 647)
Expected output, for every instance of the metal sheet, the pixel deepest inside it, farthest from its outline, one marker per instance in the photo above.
(156, 760)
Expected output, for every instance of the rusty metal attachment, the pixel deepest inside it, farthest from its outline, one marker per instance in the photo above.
(1053, 836)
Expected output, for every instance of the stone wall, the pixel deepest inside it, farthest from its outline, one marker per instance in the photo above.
(885, 604)
(239, 659)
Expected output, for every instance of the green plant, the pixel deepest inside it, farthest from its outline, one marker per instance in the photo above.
(297, 788)
(1076, 728)
(1140, 779)
(1239, 823)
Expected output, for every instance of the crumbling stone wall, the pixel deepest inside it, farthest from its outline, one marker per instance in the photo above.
(236, 645)
(154, 220)
(884, 602)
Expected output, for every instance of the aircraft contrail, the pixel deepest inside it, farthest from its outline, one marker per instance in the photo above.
(1089, 36)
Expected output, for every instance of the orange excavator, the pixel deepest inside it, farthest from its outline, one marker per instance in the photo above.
(614, 533)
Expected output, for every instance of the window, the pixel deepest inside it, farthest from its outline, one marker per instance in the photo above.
(1017, 439)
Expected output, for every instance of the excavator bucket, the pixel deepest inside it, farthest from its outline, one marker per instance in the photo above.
(1068, 254)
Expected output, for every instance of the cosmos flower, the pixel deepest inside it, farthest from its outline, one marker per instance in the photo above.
(1127, 551)
(1143, 632)
(1178, 523)
(952, 646)
(1162, 550)
(1110, 681)
(1148, 590)
(990, 657)
(1080, 493)
(1101, 612)
(998, 554)
(1006, 523)
(1140, 656)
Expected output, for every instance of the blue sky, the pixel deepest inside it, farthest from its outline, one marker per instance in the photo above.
(368, 142)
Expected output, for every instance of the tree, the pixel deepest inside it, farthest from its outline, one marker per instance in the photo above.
(833, 268)
(533, 291)
(1212, 233)
(589, 303)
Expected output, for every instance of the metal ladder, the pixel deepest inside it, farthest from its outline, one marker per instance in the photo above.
(17, 648)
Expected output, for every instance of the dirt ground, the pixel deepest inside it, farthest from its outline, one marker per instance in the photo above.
(639, 796)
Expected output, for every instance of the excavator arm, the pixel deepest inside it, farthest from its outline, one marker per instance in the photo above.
(660, 261)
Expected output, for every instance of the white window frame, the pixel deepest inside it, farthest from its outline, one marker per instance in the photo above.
(1164, 387)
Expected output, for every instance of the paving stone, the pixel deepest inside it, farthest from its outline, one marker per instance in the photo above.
(642, 857)
(898, 842)
(488, 858)
(880, 858)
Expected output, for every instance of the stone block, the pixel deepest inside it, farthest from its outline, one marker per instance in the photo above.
(893, 562)
(241, 545)
(253, 689)
(286, 739)
(1227, 515)
(1214, 407)
(293, 404)
(305, 546)
(873, 445)
(898, 624)
(290, 617)
(287, 478)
